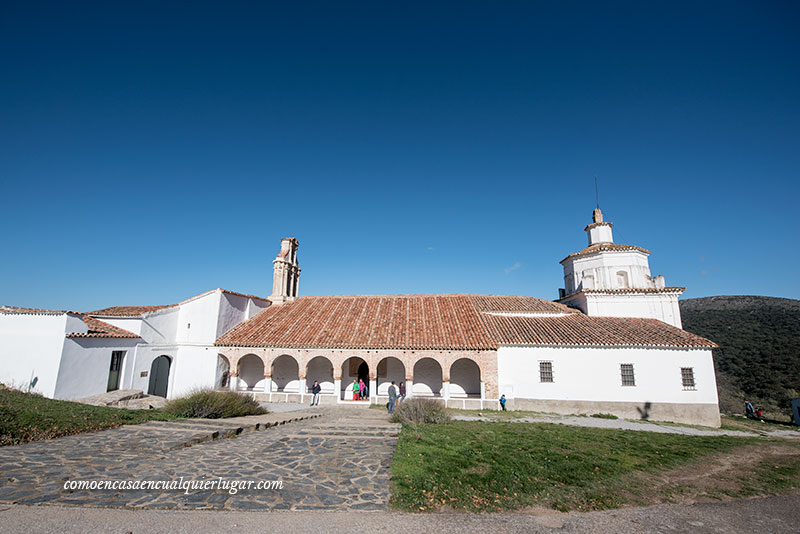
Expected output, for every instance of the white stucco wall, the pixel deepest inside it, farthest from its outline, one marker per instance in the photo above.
(661, 306)
(321, 370)
(593, 374)
(603, 268)
(465, 379)
(285, 374)
(427, 378)
(194, 367)
(160, 327)
(394, 370)
(131, 324)
(85, 364)
(30, 347)
(197, 319)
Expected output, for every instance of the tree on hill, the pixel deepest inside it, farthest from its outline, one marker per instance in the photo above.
(759, 354)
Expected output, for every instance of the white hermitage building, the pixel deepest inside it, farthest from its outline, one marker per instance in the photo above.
(611, 343)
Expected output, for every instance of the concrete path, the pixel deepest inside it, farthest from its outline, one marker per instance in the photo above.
(774, 515)
(338, 461)
(624, 424)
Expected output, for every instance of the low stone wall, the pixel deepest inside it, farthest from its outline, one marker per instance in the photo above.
(691, 414)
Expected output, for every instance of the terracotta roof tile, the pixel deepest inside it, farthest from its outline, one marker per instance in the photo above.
(417, 322)
(129, 311)
(579, 329)
(98, 328)
(603, 247)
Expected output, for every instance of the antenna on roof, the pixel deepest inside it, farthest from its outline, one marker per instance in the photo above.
(596, 193)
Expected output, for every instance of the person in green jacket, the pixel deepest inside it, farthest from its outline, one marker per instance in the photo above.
(355, 389)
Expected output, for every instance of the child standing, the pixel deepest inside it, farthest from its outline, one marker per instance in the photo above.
(503, 402)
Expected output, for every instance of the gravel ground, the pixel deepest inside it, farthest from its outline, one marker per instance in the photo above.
(776, 515)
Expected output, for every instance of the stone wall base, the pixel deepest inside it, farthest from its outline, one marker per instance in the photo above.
(692, 414)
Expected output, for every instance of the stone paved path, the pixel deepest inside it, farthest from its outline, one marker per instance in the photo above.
(338, 461)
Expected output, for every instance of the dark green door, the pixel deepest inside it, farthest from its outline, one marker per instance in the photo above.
(159, 376)
(114, 370)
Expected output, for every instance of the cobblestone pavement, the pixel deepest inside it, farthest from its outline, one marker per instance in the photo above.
(339, 461)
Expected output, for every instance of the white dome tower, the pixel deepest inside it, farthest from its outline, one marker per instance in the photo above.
(606, 279)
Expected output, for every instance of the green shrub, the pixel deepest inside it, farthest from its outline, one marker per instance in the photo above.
(605, 416)
(416, 410)
(214, 405)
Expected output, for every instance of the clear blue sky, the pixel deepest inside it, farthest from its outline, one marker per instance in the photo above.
(149, 152)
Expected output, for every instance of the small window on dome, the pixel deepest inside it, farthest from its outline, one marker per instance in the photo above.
(622, 279)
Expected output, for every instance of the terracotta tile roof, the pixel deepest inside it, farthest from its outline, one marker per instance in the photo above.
(673, 289)
(603, 247)
(579, 329)
(500, 303)
(133, 311)
(98, 328)
(369, 321)
(16, 309)
(129, 311)
(417, 322)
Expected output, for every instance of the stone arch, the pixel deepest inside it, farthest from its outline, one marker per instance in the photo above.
(285, 374)
(465, 379)
(320, 368)
(223, 375)
(251, 372)
(352, 368)
(427, 378)
(388, 369)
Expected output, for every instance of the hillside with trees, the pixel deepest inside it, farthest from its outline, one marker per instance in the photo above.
(759, 354)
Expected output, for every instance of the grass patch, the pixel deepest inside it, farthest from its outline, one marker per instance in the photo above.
(478, 466)
(213, 404)
(28, 417)
(604, 416)
(735, 422)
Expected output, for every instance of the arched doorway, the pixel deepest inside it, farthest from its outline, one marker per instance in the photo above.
(159, 376)
(251, 372)
(390, 369)
(320, 369)
(353, 368)
(427, 378)
(465, 379)
(223, 372)
(285, 374)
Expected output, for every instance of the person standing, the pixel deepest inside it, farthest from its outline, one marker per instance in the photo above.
(503, 402)
(392, 398)
(402, 396)
(315, 389)
(354, 388)
(361, 388)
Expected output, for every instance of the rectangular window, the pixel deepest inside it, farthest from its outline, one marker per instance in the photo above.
(626, 370)
(687, 377)
(115, 369)
(545, 371)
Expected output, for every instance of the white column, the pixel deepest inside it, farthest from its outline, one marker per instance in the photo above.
(267, 385)
(234, 382)
(373, 390)
(483, 393)
(446, 391)
(409, 387)
(337, 388)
